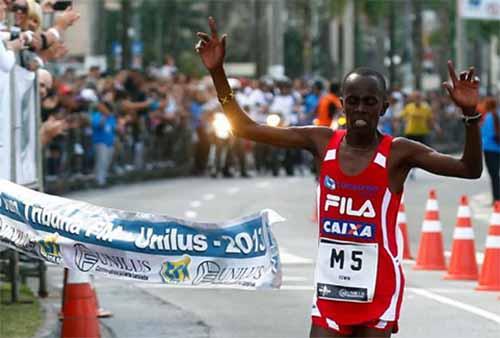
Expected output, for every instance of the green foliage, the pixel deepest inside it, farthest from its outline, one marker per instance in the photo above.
(294, 63)
(374, 10)
(19, 320)
(336, 7)
(169, 27)
(189, 63)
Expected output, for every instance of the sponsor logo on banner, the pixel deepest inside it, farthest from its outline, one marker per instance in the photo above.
(11, 235)
(346, 206)
(49, 249)
(87, 259)
(348, 229)
(210, 272)
(140, 246)
(176, 271)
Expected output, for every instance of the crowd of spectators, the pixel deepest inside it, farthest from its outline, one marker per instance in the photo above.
(97, 122)
(135, 121)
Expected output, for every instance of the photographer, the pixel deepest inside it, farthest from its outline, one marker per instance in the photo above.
(8, 45)
(38, 46)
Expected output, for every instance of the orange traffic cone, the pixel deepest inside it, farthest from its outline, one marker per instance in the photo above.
(80, 309)
(430, 251)
(401, 222)
(463, 265)
(489, 279)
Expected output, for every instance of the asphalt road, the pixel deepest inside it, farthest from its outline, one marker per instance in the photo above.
(432, 307)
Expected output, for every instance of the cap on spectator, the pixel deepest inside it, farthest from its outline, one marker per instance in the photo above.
(65, 89)
(89, 95)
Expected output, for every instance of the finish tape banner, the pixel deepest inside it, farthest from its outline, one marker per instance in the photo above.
(242, 253)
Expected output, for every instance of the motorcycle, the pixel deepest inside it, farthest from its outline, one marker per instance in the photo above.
(278, 157)
(219, 158)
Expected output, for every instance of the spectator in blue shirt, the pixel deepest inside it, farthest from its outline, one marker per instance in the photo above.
(490, 132)
(311, 101)
(103, 137)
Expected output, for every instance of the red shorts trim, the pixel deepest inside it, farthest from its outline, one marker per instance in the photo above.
(347, 330)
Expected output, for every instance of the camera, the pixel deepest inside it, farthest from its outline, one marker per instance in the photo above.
(61, 5)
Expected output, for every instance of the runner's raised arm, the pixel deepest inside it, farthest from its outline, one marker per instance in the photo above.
(464, 91)
(212, 49)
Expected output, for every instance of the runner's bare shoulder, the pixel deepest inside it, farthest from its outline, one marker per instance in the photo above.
(403, 149)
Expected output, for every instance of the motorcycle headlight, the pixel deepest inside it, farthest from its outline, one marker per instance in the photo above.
(342, 121)
(273, 120)
(221, 126)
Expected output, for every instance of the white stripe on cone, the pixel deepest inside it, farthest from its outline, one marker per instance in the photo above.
(432, 205)
(463, 212)
(493, 242)
(463, 233)
(77, 277)
(495, 219)
(431, 226)
(401, 218)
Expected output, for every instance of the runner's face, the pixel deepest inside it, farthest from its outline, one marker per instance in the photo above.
(363, 101)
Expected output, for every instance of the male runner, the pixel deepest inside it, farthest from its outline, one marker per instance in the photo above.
(359, 280)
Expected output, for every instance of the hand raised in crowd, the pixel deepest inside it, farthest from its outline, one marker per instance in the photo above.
(15, 45)
(48, 6)
(464, 90)
(36, 42)
(66, 19)
(52, 128)
(212, 49)
(56, 51)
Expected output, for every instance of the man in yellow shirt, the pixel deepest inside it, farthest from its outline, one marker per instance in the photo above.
(418, 119)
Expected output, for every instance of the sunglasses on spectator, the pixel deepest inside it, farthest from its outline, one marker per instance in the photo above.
(20, 8)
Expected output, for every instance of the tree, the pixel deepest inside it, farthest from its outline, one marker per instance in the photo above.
(125, 40)
(417, 42)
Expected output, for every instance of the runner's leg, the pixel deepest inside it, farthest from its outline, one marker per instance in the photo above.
(363, 331)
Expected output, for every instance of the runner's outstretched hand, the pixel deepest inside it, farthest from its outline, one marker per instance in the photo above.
(211, 48)
(464, 91)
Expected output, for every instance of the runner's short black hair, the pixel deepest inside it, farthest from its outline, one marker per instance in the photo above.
(365, 71)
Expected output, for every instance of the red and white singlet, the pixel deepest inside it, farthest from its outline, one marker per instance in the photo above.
(359, 278)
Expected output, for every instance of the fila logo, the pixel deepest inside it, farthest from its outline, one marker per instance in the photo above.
(345, 205)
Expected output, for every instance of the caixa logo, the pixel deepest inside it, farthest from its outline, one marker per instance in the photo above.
(348, 229)
(346, 206)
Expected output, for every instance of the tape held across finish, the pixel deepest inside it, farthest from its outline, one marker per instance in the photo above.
(240, 253)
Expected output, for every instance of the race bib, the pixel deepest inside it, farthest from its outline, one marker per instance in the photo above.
(346, 271)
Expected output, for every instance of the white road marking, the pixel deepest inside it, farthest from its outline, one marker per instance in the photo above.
(459, 305)
(263, 185)
(190, 214)
(208, 197)
(233, 190)
(195, 204)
